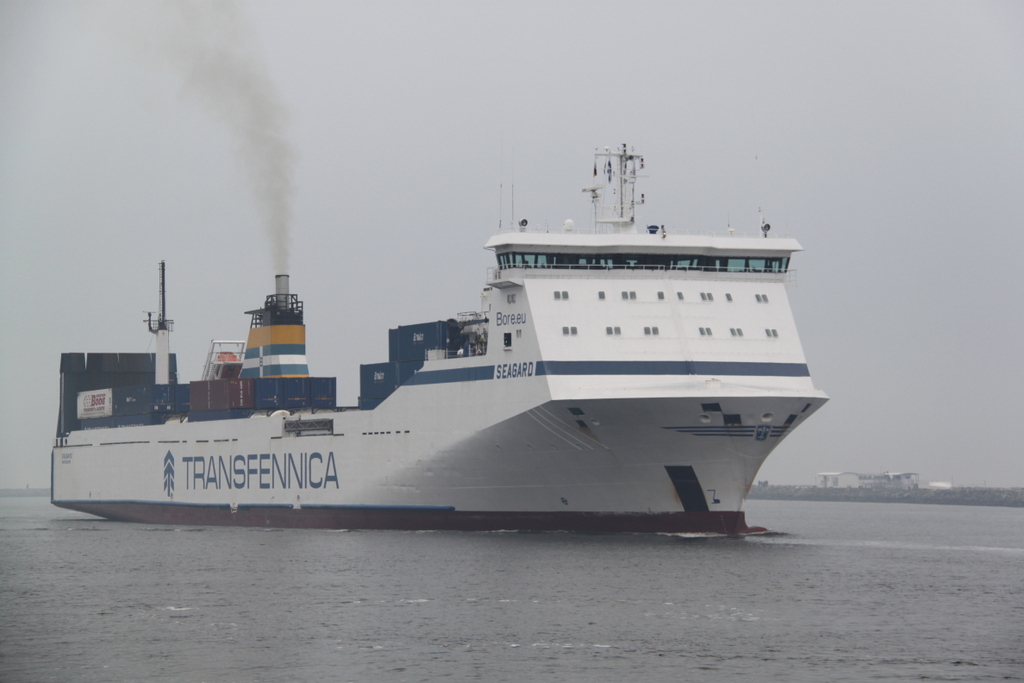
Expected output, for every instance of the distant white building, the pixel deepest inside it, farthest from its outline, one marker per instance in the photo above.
(838, 480)
(890, 480)
(853, 480)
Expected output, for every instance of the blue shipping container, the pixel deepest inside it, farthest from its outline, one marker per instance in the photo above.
(269, 392)
(379, 380)
(369, 403)
(411, 342)
(143, 399)
(182, 398)
(296, 392)
(323, 392)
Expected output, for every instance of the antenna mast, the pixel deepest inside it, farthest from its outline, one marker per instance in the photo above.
(618, 175)
(162, 327)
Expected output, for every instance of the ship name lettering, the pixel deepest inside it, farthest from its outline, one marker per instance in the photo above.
(510, 319)
(261, 470)
(513, 370)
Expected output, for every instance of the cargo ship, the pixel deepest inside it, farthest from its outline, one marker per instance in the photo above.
(619, 378)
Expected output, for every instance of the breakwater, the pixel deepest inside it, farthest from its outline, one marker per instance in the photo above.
(957, 496)
(24, 493)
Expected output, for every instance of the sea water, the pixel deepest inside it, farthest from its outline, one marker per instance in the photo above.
(838, 592)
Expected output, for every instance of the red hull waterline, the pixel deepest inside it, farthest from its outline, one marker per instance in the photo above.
(416, 519)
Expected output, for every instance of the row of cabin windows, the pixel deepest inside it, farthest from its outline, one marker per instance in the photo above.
(719, 264)
(653, 331)
(631, 296)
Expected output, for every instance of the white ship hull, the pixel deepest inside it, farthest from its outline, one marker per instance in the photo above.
(463, 460)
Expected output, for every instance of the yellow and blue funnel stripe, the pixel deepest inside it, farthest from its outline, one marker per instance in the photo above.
(276, 351)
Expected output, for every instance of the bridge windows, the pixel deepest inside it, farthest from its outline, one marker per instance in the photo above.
(656, 261)
(771, 333)
(705, 331)
(761, 298)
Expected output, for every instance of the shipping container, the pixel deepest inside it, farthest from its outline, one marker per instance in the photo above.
(369, 403)
(296, 392)
(221, 394)
(144, 399)
(211, 415)
(411, 342)
(269, 392)
(379, 380)
(95, 404)
(181, 398)
(323, 392)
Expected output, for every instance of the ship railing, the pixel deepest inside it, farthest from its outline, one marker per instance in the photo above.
(467, 351)
(607, 229)
(496, 273)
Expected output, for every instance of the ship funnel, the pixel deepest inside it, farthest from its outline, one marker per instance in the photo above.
(277, 336)
(282, 290)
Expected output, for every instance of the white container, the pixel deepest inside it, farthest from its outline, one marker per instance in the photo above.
(96, 403)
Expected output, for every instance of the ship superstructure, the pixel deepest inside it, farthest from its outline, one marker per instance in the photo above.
(619, 378)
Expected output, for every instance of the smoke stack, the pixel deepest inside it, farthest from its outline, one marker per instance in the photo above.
(282, 291)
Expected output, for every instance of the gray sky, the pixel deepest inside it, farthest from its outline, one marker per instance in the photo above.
(887, 137)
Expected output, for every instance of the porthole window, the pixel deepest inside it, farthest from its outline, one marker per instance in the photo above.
(632, 295)
(565, 295)
(618, 330)
(679, 295)
(732, 331)
(728, 297)
(703, 296)
(739, 332)
(625, 295)
(711, 297)
(600, 295)
(607, 330)
(558, 295)
(572, 330)
(647, 330)
(565, 330)
(661, 295)
(654, 330)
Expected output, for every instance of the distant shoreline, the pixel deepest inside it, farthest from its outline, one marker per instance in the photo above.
(24, 493)
(959, 496)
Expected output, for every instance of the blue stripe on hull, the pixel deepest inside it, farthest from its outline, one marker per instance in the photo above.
(621, 367)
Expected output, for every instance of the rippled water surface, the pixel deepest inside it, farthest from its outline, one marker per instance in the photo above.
(839, 592)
